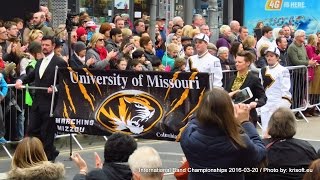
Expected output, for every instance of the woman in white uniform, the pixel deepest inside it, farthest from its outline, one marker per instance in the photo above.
(276, 82)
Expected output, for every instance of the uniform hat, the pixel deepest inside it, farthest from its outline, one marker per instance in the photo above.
(81, 31)
(79, 46)
(34, 47)
(274, 50)
(202, 37)
(91, 24)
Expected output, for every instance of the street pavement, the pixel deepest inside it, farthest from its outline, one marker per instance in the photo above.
(170, 152)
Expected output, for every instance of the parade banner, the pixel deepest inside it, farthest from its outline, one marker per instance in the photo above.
(152, 105)
(301, 14)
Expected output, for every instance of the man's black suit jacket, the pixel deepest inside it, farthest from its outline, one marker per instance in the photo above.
(42, 99)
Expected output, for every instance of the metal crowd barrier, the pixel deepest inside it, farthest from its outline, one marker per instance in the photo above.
(299, 87)
(14, 106)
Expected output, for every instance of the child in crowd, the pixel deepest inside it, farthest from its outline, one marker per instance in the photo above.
(188, 51)
(158, 66)
(139, 55)
(136, 65)
(179, 65)
(122, 64)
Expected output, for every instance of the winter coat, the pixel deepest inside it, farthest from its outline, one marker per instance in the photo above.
(45, 170)
(208, 147)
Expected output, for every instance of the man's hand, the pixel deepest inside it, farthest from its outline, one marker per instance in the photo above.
(50, 90)
(253, 105)
(147, 62)
(79, 162)
(98, 160)
(18, 84)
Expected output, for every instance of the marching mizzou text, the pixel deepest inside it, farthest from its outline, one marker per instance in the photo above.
(73, 125)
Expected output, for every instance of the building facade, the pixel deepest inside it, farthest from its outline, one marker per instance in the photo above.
(104, 10)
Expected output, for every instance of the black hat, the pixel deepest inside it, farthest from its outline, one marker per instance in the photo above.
(160, 19)
(186, 38)
(59, 42)
(35, 47)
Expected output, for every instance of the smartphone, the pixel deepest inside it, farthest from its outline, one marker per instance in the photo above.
(242, 96)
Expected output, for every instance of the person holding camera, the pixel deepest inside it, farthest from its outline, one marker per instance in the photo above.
(220, 136)
(244, 79)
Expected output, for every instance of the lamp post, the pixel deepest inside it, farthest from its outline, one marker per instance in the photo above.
(213, 20)
(153, 19)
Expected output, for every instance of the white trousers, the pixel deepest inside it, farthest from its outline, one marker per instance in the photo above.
(268, 109)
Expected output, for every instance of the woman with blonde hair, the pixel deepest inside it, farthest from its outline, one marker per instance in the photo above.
(220, 136)
(126, 33)
(30, 162)
(194, 32)
(136, 41)
(249, 44)
(187, 31)
(35, 35)
(98, 51)
(61, 32)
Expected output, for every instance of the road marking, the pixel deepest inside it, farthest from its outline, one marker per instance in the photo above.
(168, 174)
(306, 139)
(171, 153)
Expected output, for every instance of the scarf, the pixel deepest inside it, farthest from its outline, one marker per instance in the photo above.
(82, 59)
(239, 81)
(102, 52)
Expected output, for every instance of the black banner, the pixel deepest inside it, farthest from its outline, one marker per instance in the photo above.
(153, 105)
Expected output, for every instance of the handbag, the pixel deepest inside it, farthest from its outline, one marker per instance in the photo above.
(182, 173)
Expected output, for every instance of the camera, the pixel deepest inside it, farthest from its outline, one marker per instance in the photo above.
(69, 21)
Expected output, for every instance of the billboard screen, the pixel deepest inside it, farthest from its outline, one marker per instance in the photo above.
(302, 14)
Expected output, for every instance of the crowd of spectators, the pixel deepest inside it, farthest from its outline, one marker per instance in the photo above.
(219, 135)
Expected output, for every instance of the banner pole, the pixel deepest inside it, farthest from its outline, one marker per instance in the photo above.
(54, 90)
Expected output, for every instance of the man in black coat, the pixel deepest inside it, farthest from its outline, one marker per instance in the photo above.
(41, 124)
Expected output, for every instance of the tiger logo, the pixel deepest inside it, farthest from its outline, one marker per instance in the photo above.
(130, 111)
